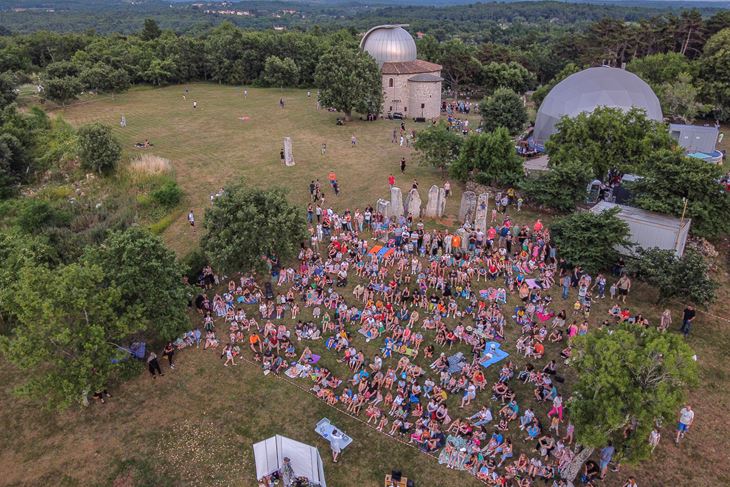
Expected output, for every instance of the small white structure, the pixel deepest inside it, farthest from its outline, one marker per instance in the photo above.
(648, 229)
(304, 459)
(536, 164)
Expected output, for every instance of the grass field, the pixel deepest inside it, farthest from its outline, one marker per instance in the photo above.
(195, 426)
(211, 146)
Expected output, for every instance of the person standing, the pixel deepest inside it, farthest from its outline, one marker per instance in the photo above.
(686, 418)
(195, 104)
(605, 458)
(281, 103)
(566, 285)
(169, 352)
(324, 148)
(687, 318)
(154, 365)
(394, 138)
(665, 321)
(191, 220)
(402, 164)
(123, 122)
(447, 189)
(624, 286)
(391, 180)
(335, 438)
(353, 140)
(245, 93)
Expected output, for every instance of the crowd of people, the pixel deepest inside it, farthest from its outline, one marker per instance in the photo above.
(417, 318)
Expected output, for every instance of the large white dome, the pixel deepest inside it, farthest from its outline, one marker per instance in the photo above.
(389, 44)
(591, 88)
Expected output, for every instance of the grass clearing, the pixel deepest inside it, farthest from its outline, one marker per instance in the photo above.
(195, 425)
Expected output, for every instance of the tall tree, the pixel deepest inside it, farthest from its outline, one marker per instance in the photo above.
(629, 379)
(150, 30)
(66, 333)
(460, 65)
(149, 279)
(507, 75)
(670, 179)
(489, 158)
(679, 99)
(687, 278)
(503, 108)
(438, 146)
(590, 240)
(349, 80)
(608, 138)
(62, 90)
(280, 72)
(715, 74)
(560, 188)
(245, 226)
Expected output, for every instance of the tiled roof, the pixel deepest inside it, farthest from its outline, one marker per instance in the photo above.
(410, 67)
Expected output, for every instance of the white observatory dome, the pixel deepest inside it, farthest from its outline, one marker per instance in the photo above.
(591, 88)
(389, 44)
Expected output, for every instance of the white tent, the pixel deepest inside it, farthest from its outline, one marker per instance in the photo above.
(305, 460)
(648, 229)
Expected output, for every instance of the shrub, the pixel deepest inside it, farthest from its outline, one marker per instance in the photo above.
(168, 195)
(98, 149)
(161, 225)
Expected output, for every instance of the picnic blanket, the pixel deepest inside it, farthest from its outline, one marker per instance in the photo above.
(532, 284)
(457, 442)
(456, 363)
(324, 429)
(381, 251)
(492, 355)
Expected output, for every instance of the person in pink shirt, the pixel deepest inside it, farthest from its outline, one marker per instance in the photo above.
(538, 225)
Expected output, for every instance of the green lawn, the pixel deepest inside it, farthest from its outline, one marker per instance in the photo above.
(195, 426)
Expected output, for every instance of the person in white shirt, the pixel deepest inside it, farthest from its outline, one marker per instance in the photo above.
(686, 418)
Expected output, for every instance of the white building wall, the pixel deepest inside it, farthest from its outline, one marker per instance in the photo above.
(395, 97)
(425, 99)
(406, 98)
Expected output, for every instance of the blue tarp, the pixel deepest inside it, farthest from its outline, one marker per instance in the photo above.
(497, 353)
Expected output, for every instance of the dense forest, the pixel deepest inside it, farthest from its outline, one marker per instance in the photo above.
(477, 20)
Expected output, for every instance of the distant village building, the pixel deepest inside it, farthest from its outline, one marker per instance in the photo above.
(411, 86)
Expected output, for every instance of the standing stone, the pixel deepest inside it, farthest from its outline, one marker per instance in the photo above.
(383, 207)
(414, 203)
(441, 205)
(396, 202)
(433, 202)
(480, 218)
(468, 207)
(288, 156)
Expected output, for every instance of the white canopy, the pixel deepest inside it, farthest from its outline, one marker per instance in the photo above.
(305, 460)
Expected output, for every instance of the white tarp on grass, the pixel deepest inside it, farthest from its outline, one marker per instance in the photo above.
(305, 460)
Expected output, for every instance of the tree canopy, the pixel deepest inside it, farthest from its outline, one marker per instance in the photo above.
(608, 138)
(349, 80)
(438, 146)
(629, 379)
(149, 279)
(98, 149)
(687, 277)
(488, 157)
(590, 240)
(715, 73)
(503, 108)
(66, 333)
(671, 178)
(245, 225)
(560, 188)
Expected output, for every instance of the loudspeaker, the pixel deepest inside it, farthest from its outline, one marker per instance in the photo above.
(396, 475)
(420, 119)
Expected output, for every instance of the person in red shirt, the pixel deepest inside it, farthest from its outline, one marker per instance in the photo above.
(391, 180)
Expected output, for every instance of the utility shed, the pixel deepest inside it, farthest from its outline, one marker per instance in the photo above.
(694, 138)
(649, 229)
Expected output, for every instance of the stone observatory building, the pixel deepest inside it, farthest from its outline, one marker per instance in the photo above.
(411, 86)
(591, 88)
